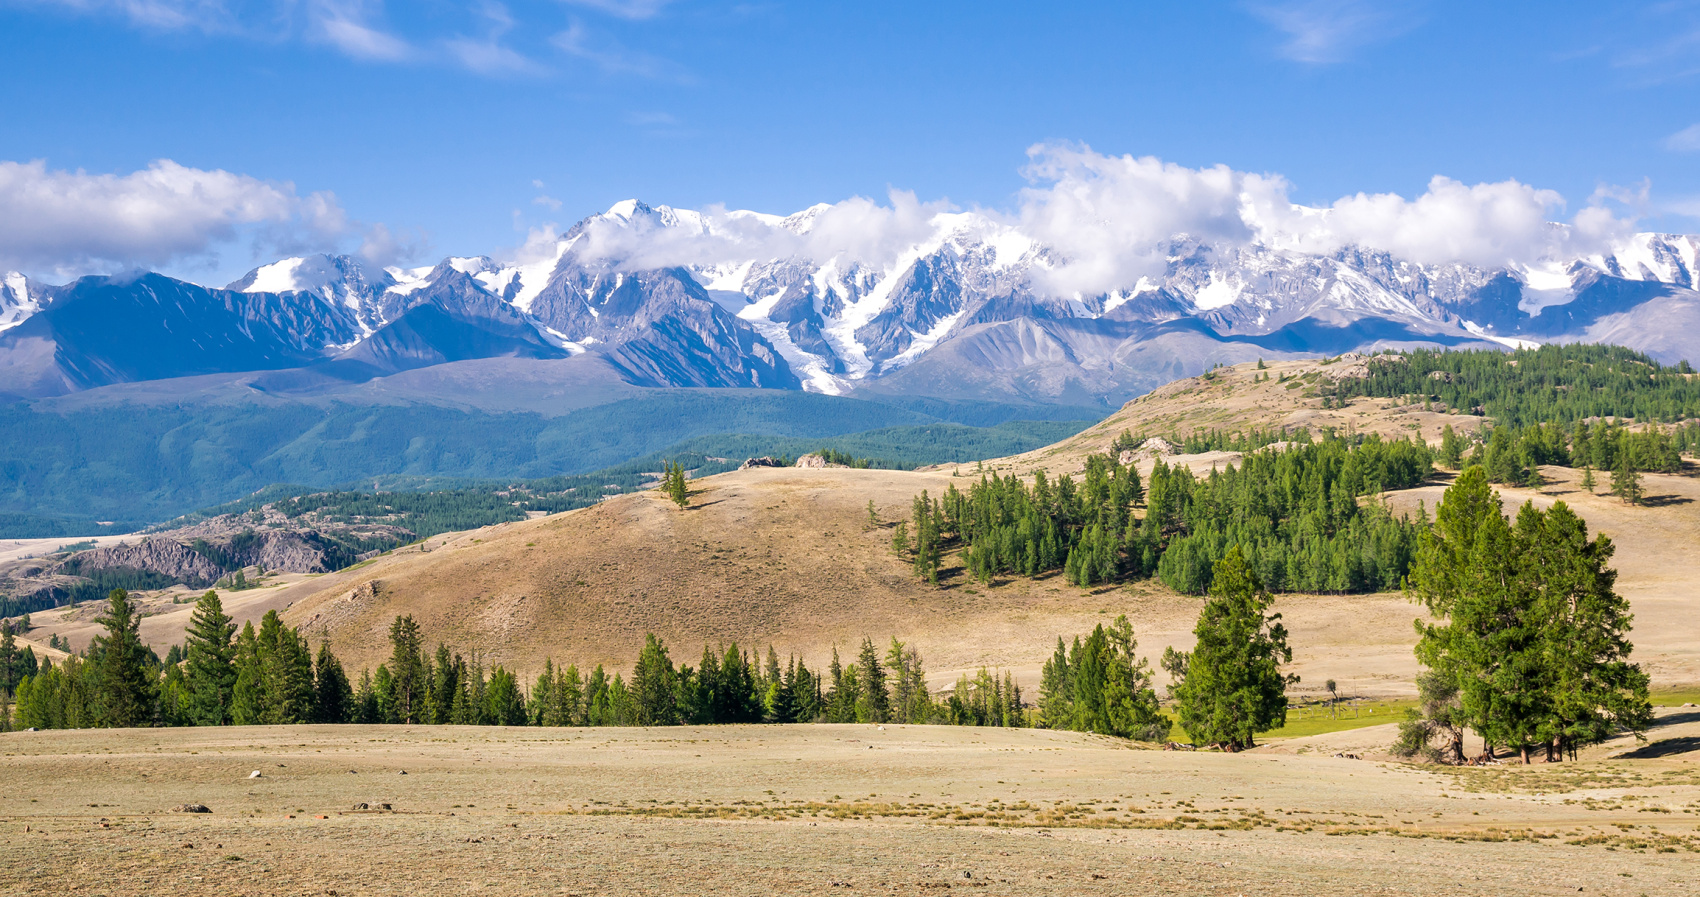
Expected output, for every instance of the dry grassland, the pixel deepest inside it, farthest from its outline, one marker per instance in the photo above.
(788, 558)
(821, 810)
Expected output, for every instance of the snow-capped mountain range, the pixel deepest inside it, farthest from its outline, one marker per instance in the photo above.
(667, 297)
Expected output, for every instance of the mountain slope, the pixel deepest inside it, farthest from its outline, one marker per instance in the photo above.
(674, 298)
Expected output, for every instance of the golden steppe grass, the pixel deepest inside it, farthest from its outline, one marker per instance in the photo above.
(754, 810)
(788, 557)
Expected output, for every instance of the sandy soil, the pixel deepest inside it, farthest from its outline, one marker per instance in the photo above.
(816, 809)
(21, 549)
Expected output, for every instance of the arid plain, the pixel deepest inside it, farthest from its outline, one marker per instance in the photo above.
(789, 557)
(824, 809)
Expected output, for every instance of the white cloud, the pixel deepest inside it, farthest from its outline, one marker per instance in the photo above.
(349, 26)
(611, 56)
(1108, 215)
(1325, 31)
(383, 247)
(164, 15)
(1686, 140)
(625, 9)
(855, 230)
(1107, 221)
(57, 221)
(489, 56)
(353, 27)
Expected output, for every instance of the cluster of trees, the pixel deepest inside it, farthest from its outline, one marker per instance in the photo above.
(269, 676)
(1513, 455)
(1223, 692)
(674, 484)
(1296, 514)
(1550, 384)
(1530, 647)
(1099, 685)
(1228, 688)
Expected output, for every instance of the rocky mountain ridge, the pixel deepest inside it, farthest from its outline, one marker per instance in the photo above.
(663, 298)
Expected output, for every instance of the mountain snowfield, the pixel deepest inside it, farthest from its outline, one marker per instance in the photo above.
(954, 306)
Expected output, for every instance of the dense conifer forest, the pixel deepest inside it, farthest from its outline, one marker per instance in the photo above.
(1550, 384)
(1298, 515)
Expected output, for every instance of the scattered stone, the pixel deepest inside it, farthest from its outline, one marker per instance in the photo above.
(360, 807)
(760, 462)
(190, 808)
(255, 775)
(967, 874)
(401, 772)
(186, 846)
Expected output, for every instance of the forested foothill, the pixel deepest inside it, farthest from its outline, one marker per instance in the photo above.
(1298, 514)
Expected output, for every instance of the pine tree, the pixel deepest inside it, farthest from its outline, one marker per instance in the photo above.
(1230, 686)
(1056, 689)
(1451, 448)
(1531, 633)
(1588, 483)
(209, 674)
(124, 685)
(1626, 480)
(407, 673)
(333, 697)
(505, 705)
(653, 685)
(873, 704)
(674, 484)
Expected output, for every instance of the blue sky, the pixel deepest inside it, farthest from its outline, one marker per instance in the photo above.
(458, 126)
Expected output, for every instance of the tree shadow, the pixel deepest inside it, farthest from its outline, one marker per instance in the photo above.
(1665, 501)
(1669, 747)
(705, 505)
(1677, 719)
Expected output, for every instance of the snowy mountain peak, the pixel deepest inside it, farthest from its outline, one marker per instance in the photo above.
(16, 302)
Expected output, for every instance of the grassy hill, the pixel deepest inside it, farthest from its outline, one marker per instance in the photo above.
(788, 557)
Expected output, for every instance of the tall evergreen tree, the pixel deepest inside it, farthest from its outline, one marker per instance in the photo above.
(123, 682)
(1626, 481)
(407, 672)
(333, 696)
(654, 685)
(874, 700)
(1230, 686)
(209, 670)
(1531, 634)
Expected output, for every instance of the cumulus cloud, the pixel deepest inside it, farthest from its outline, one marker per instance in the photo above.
(856, 230)
(1107, 221)
(57, 221)
(1109, 216)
